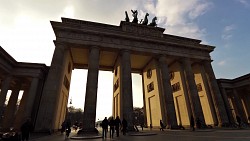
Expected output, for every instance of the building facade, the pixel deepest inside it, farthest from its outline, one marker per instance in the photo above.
(178, 79)
(236, 96)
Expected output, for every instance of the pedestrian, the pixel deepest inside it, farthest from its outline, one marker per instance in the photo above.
(63, 127)
(124, 126)
(151, 127)
(112, 127)
(192, 123)
(198, 123)
(26, 128)
(162, 126)
(142, 125)
(105, 124)
(238, 119)
(117, 125)
(68, 127)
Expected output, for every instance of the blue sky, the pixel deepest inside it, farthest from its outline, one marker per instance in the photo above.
(26, 33)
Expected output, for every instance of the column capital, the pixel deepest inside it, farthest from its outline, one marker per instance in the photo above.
(162, 57)
(94, 47)
(61, 44)
(124, 50)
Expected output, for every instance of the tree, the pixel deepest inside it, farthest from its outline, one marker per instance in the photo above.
(138, 115)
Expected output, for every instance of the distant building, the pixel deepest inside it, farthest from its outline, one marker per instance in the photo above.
(236, 96)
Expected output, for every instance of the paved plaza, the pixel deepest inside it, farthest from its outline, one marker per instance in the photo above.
(167, 135)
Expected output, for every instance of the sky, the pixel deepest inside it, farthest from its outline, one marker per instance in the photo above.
(26, 34)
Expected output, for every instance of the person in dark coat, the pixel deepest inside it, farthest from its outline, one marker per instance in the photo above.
(105, 124)
(124, 126)
(162, 126)
(26, 128)
(117, 125)
(192, 123)
(112, 127)
(238, 119)
(63, 125)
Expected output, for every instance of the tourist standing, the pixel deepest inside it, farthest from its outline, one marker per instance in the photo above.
(124, 126)
(112, 127)
(26, 128)
(117, 125)
(192, 123)
(105, 124)
(238, 119)
(162, 126)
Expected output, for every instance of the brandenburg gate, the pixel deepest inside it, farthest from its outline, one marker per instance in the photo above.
(178, 79)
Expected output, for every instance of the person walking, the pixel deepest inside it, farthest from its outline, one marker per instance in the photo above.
(26, 128)
(112, 127)
(105, 124)
(192, 123)
(162, 126)
(124, 126)
(117, 125)
(238, 119)
(63, 125)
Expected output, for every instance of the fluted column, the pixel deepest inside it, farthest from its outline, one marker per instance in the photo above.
(167, 93)
(239, 106)
(28, 105)
(185, 90)
(209, 96)
(91, 90)
(11, 107)
(193, 92)
(3, 94)
(48, 109)
(219, 106)
(126, 88)
(227, 105)
(144, 102)
(21, 109)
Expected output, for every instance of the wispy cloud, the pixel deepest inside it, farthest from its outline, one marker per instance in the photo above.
(244, 2)
(222, 63)
(227, 32)
(178, 16)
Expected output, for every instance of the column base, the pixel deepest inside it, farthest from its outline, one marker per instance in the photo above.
(91, 131)
(173, 127)
(226, 124)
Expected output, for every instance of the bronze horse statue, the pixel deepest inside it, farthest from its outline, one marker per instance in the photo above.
(145, 21)
(153, 23)
(127, 18)
(135, 13)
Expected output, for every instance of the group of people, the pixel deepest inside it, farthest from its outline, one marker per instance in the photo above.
(115, 126)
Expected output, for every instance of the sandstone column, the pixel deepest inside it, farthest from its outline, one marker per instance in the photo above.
(11, 107)
(47, 114)
(126, 89)
(144, 102)
(240, 110)
(29, 101)
(209, 96)
(20, 111)
(167, 93)
(91, 90)
(219, 106)
(185, 90)
(3, 94)
(227, 105)
(193, 92)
